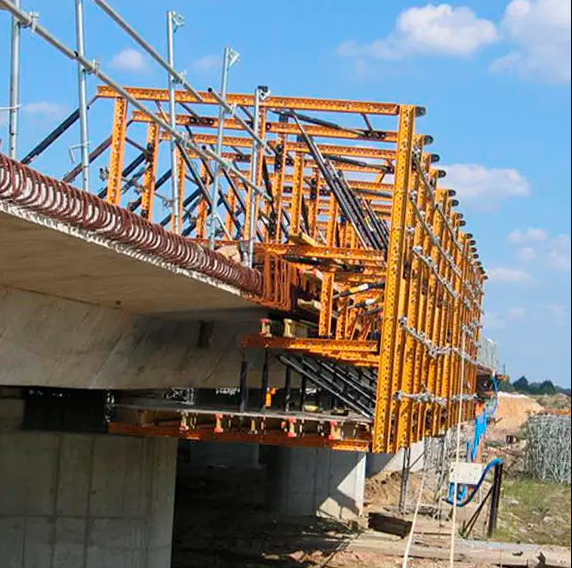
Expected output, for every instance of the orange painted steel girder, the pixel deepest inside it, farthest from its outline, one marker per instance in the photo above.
(433, 281)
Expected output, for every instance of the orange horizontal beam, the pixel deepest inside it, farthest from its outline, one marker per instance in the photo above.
(303, 344)
(353, 183)
(365, 152)
(281, 103)
(326, 253)
(287, 128)
(272, 438)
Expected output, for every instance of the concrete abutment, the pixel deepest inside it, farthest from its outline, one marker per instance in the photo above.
(82, 500)
(306, 482)
(86, 501)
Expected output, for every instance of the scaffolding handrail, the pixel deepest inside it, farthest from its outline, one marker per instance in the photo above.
(126, 27)
(29, 20)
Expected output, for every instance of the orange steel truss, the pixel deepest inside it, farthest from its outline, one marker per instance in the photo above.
(357, 240)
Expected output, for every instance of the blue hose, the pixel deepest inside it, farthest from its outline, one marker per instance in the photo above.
(481, 427)
(468, 500)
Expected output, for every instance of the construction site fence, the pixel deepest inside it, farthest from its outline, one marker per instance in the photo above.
(548, 452)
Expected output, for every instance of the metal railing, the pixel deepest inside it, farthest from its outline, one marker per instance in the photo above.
(180, 141)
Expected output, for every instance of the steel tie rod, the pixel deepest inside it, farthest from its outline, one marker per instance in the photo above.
(30, 21)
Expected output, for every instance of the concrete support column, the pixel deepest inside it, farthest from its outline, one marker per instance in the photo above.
(389, 463)
(312, 482)
(85, 501)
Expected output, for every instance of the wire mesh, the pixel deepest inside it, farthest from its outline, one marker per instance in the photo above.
(548, 454)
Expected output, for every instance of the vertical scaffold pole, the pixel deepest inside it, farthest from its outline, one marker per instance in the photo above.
(458, 448)
(254, 179)
(174, 21)
(406, 473)
(15, 85)
(230, 58)
(82, 95)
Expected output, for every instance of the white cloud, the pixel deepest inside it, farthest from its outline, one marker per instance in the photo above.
(494, 321)
(528, 254)
(540, 32)
(46, 110)
(529, 236)
(516, 313)
(430, 30)
(510, 276)
(559, 252)
(484, 188)
(557, 313)
(129, 60)
(207, 63)
(553, 250)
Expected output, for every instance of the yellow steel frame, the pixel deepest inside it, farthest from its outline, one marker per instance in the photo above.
(118, 141)
(412, 312)
(389, 370)
(282, 103)
(147, 199)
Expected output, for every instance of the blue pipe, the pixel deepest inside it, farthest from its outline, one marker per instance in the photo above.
(481, 427)
(468, 500)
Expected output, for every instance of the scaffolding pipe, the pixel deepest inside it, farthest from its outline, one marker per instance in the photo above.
(458, 453)
(82, 96)
(230, 57)
(15, 85)
(173, 22)
(29, 20)
(405, 475)
(254, 178)
(178, 77)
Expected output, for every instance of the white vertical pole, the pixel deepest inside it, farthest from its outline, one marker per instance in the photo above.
(175, 186)
(254, 178)
(230, 57)
(458, 450)
(82, 95)
(15, 85)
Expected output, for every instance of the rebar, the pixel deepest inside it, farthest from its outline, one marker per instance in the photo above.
(548, 453)
(40, 194)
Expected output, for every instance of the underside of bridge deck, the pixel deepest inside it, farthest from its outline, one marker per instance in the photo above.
(52, 258)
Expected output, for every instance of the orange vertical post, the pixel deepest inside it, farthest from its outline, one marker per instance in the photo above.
(115, 184)
(388, 378)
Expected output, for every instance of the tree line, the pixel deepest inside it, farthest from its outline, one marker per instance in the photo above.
(524, 386)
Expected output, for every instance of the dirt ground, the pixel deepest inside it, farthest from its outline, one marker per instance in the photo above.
(512, 414)
(234, 536)
(357, 560)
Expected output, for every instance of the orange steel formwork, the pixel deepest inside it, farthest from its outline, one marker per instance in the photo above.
(359, 243)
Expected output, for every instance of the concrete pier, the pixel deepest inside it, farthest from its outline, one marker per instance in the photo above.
(314, 482)
(85, 501)
(389, 463)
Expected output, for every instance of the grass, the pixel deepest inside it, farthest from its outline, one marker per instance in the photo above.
(535, 513)
(554, 402)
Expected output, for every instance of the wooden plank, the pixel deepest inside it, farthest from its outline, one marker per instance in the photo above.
(389, 525)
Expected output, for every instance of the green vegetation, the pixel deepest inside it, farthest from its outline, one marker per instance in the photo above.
(535, 513)
(554, 402)
(524, 386)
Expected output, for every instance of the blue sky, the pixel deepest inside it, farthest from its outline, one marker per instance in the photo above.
(494, 75)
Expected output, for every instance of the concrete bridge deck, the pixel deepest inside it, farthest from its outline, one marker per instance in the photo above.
(40, 255)
(57, 240)
(101, 309)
